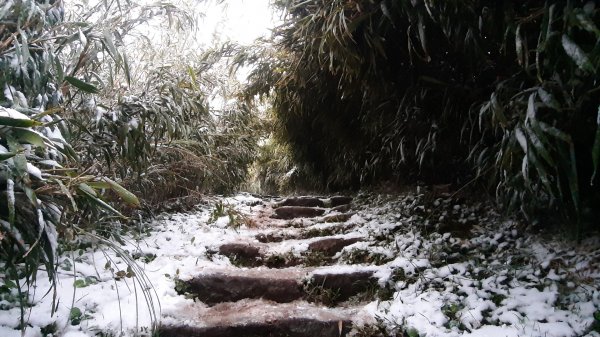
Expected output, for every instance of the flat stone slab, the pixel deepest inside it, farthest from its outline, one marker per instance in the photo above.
(284, 327)
(278, 285)
(341, 208)
(330, 246)
(339, 200)
(292, 212)
(339, 217)
(244, 250)
(214, 287)
(302, 201)
(259, 318)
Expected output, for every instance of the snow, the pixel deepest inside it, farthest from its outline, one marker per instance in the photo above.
(575, 52)
(12, 113)
(34, 171)
(495, 283)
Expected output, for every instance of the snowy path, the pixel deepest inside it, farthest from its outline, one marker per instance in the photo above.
(379, 266)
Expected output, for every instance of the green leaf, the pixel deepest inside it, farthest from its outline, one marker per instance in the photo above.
(10, 284)
(79, 283)
(7, 155)
(81, 85)
(75, 316)
(18, 122)
(28, 136)
(92, 196)
(83, 187)
(123, 193)
(412, 332)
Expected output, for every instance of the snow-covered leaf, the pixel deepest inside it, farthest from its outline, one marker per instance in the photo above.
(577, 54)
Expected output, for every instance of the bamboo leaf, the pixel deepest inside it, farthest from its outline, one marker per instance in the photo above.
(66, 192)
(81, 85)
(10, 192)
(587, 24)
(28, 136)
(596, 149)
(555, 132)
(577, 54)
(18, 122)
(7, 155)
(123, 193)
(83, 187)
(520, 47)
(91, 195)
(548, 99)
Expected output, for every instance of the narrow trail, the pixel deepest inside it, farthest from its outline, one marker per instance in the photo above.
(283, 281)
(377, 265)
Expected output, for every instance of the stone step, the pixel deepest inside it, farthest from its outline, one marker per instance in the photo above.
(330, 246)
(302, 202)
(333, 201)
(293, 212)
(279, 254)
(259, 318)
(278, 285)
(339, 200)
(230, 285)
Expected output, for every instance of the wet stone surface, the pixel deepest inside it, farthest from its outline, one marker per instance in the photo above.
(291, 327)
(216, 288)
(330, 246)
(302, 202)
(340, 200)
(274, 273)
(292, 212)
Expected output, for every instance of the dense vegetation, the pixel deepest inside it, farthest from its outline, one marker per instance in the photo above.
(504, 95)
(88, 136)
(501, 93)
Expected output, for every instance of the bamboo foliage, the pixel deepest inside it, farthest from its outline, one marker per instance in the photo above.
(443, 91)
(84, 132)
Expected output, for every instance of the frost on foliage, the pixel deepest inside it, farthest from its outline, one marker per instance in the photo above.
(12, 113)
(576, 53)
(34, 171)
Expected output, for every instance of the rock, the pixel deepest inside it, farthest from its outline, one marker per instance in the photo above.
(340, 200)
(260, 318)
(288, 327)
(240, 250)
(330, 246)
(303, 202)
(341, 208)
(292, 212)
(220, 287)
(341, 217)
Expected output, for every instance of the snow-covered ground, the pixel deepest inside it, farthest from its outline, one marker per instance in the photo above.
(491, 281)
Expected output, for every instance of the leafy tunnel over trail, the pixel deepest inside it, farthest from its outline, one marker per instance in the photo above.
(504, 93)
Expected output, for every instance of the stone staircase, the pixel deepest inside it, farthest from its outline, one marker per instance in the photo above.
(273, 289)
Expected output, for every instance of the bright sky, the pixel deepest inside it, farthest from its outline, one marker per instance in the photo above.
(240, 21)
